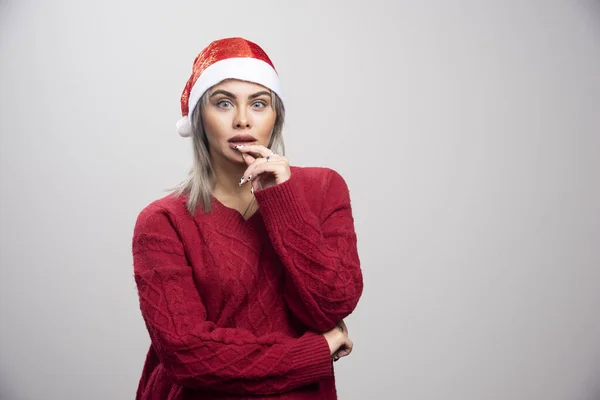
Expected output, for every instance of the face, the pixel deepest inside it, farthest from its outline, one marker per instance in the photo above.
(237, 112)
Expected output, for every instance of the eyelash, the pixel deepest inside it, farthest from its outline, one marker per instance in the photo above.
(221, 102)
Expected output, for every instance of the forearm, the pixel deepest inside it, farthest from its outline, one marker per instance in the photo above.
(319, 253)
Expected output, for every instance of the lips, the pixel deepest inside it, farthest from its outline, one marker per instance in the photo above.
(239, 139)
(242, 139)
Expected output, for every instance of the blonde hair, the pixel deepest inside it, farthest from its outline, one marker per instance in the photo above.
(199, 184)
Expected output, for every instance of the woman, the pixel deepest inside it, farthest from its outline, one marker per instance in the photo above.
(246, 272)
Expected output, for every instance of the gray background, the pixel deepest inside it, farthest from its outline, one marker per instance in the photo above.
(468, 132)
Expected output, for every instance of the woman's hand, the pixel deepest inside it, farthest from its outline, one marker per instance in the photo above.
(264, 167)
(344, 350)
(340, 344)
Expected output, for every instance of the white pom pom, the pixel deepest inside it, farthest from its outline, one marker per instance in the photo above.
(184, 127)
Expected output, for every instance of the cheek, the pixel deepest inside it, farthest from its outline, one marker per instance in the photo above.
(215, 126)
(267, 122)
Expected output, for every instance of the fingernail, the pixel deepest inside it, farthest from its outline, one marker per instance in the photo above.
(252, 190)
(249, 177)
(239, 146)
(241, 181)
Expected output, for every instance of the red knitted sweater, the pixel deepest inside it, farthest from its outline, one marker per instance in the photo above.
(235, 308)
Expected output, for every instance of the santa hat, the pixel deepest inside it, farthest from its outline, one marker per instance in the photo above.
(230, 58)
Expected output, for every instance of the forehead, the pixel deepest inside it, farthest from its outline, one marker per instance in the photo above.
(238, 86)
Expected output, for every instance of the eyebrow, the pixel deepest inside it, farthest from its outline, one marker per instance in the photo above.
(229, 94)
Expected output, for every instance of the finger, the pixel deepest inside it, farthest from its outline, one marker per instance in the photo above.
(260, 150)
(250, 173)
(341, 354)
(264, 167)
(248, 159)
(247, 176)
(346, 349)
(344, 352)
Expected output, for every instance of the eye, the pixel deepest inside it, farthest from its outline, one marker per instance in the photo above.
(259, 104)
(224, 104)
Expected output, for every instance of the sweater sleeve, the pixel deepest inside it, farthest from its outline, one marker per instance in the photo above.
(324, 279)
(194, 352)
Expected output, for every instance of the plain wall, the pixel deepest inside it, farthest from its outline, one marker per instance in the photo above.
(468, 132)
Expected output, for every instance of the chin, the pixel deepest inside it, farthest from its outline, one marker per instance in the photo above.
(234, 156)
(238, 161)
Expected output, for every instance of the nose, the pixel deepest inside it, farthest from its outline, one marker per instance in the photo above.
(241, 119)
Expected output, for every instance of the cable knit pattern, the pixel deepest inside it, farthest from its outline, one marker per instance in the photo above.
(318, 250)
(235, 308)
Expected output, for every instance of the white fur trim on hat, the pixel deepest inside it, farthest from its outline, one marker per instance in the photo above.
(184, 127)
(245, 69)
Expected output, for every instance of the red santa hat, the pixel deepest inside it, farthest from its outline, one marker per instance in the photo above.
(230, 58)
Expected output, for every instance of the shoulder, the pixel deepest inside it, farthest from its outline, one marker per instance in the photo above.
(322, 187)
(321, 177)
(161, 213)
